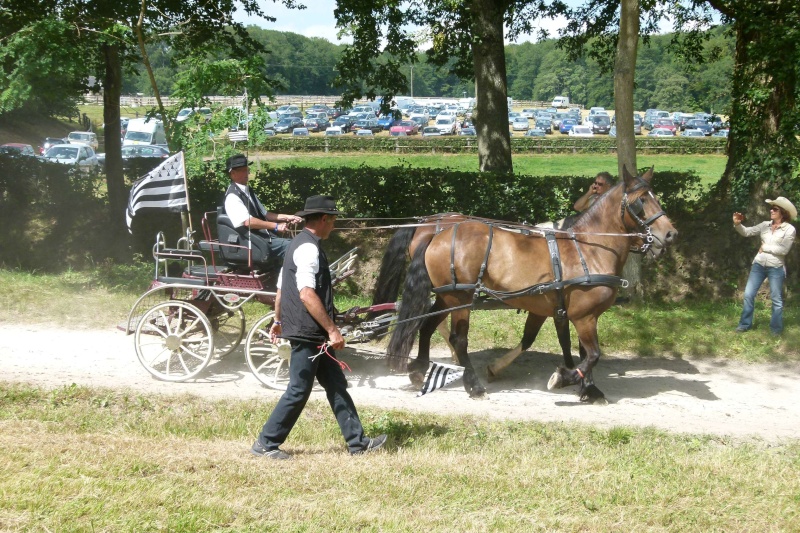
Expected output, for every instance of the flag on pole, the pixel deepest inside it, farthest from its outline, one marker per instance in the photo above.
(439, 375)
(164, 187)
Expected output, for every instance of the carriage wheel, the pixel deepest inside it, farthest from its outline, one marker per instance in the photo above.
(228, 327)
(269, 362)
(174, 341)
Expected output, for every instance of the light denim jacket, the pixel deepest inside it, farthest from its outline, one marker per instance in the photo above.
(774, 245)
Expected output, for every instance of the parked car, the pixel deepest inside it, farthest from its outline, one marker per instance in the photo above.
(693, 133)
(601, 124)
(317, 124)
(345, 122)
(469, 131)
(557, 118)
(566, 125)
(187, 112)
(520, 124)
(431, 131)
(286, 109)
(661, 132)
(386, 121)
(72, 154)
(409, 127)
(447, 125)
(334, 131)
(50, 141)
(721, 133)
(288, 124)
(300, 132)
(528, 113)
(364, 133)
(141, 156)
(511, 116)
(581, 131)
(544, 125)
(269, 133)
(83, 137)
(700, 124)
(17, 149)
(665, 123)
(367, 124)
(535, 132)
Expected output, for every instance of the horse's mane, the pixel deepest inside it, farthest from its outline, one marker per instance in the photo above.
(596, 213)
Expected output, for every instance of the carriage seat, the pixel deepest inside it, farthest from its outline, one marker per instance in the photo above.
(233, 244)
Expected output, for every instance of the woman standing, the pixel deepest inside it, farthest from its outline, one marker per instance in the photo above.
(777, 236)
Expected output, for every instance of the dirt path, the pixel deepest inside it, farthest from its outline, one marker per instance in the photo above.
(694, 396)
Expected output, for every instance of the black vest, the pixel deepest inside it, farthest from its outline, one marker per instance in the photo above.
(297, 322)
(251, 203)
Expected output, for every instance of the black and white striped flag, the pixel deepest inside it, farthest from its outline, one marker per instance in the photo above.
(439, 375)
(164, 187)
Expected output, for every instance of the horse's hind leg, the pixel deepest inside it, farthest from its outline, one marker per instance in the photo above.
(562, 329)
(419, 366)
(532, 326)
(459, 321)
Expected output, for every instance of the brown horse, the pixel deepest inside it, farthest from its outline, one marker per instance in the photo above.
(573, 273)
(405, 242)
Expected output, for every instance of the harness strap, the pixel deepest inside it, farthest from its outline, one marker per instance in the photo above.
(453, 257)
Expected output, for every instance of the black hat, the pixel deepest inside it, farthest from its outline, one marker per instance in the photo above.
(319, 204)
(236, 161)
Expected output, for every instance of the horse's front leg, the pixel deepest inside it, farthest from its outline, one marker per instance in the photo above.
(459, 325)
(582, 374)
(562, 330)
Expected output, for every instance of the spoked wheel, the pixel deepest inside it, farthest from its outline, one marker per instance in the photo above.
(228, 327)
(269, 362)
(174, 341)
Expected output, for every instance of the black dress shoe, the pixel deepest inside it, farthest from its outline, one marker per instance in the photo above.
(259, 450)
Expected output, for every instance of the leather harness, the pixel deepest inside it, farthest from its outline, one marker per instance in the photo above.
(588, 279)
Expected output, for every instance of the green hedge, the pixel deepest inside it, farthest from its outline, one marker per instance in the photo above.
(406, 192)
(519, 145)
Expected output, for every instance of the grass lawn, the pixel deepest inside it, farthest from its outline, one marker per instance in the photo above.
(79, 459)
(708, 167)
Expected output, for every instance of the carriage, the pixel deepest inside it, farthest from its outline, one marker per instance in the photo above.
(194, 308)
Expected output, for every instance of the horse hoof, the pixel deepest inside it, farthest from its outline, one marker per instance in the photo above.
(600, 401)
(478, 394)
(556, 382)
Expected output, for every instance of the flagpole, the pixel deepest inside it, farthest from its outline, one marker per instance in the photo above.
(186, 215)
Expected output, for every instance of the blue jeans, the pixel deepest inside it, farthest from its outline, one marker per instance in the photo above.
(758, 274)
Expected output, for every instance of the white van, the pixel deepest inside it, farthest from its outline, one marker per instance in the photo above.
(559, 102)
(145, 131)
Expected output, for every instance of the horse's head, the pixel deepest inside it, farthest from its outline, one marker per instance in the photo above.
(641, 212)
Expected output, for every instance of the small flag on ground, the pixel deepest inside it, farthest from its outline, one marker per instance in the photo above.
(439, 375)
(164, 187)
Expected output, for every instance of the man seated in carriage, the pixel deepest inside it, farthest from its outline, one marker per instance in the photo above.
(245, 210)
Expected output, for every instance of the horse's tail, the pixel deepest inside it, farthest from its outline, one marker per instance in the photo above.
(393, 266)
(416, 302)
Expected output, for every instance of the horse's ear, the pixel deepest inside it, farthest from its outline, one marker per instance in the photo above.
(647, 176)
(626, 176)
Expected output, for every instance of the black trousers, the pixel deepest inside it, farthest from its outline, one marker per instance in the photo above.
(302, 371)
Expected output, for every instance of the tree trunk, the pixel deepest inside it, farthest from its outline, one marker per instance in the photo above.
(762, 148)
(115, 181)
(491, 120)
(624, 68)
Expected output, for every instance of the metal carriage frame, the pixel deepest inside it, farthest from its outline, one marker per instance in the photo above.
(181, 322)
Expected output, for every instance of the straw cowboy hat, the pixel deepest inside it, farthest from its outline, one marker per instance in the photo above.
(786, 205)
